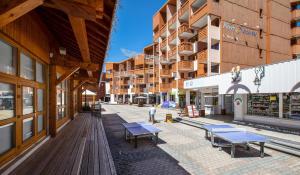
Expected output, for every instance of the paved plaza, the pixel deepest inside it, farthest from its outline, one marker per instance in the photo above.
(182, 149)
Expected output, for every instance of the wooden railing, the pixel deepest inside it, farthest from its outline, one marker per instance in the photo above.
(202, 56)
(140, 80)
(164, 87)
(163, 29)
(185, 46)
(202, 33)
(163, 43)
(198, 14)
(172, 20)
(183, 8)
(184, 28)
(139, 71)
(165, 72)
(185, 65)
(172, 52)
(172, 36)
(296, 14)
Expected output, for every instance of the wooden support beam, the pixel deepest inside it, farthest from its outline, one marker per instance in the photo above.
(71, 101)
(72, 63)
(90, 79)
(79, 29)
(79, 85)
(66, 75)
(17, 8)
(52, 101)
(77, 9)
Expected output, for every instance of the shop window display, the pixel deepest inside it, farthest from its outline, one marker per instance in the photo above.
(263, 105)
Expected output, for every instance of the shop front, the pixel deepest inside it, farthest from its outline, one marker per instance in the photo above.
(267, 94)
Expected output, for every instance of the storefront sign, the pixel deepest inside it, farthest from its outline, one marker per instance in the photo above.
(238, 101)
(239, 29)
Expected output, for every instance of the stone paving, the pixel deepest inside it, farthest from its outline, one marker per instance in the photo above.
(182, 149)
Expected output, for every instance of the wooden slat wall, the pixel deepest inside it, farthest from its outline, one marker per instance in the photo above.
(27, 31)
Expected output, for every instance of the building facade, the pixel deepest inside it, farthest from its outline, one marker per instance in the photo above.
(199, 38)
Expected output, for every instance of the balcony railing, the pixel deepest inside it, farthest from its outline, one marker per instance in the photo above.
(199, 13)
(185, 31)
(172, 37)
(164, 60)
(183, 9)
(172, 53)
(165, 87)
(202, 56)
(172, 21)
(185, 48)
(140, 80)
(296, 31)
(156, 35)
(139, 71)
(163, 30)
(185, 65)
(163, 44)
(116, 74)
(296, 14)
(296, 49)
(202, 34)
(165, 73)
(149, 60)
(149, 70)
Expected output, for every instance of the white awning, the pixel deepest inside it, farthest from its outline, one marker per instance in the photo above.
(88, 92)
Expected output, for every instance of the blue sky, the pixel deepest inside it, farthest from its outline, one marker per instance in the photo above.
(133, 29)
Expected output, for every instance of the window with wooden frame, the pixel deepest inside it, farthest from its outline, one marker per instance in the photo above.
(62, 99)
(22, 109)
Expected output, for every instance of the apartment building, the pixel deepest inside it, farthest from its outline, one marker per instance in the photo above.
(198, 38)
(295, 24)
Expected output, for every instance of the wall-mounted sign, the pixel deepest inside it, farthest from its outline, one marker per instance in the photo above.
(239, 29)
(238, 101)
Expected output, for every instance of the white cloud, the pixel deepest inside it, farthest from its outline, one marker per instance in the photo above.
(129, 53)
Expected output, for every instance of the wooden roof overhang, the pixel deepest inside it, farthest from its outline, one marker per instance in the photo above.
(82, 27)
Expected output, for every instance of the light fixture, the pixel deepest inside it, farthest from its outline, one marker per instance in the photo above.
(51, 54)
(63, 51)
(259, 75)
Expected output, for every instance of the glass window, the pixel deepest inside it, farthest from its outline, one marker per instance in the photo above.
(40, 74)
(8, 58)
(40, 96)
(263, 105)
(27, 100)
(6, 137)
(27, 70)
(40, 123)
(27, 128)
(7, 101)
(291, 105)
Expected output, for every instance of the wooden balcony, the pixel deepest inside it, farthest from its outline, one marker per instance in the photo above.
(149, 59)
(172, 22)
(124, 82)
(185, 48)
(165, 87)
(138, 90)
(163, 45)
(156, 36)
(296, 49)
(150, 80)
(202, 56)
(165, 73)
(140, 81)
(199, 14)
(185, 32)
(164, 60)
(163, 31)
(183, 13)
(185, 65)
(296, 31)
(172, 53)
(296, 14)
(116, 74)
(172, 38)
(202, 34)
(139, 71)
(123, 91)
(149, 71)
(181, 83)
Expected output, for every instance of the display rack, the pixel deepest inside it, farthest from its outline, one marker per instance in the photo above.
(295, 106)
(263, 105)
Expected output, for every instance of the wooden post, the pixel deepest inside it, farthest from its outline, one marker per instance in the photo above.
(79, 95)
(52, 101)
(71, 99)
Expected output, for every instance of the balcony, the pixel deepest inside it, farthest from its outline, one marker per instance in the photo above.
(156, 36)
(163, 31)
(165, 73)
(172, 38)
(116, 74)
(139, 90)
(150, 80)
(165, 87)
(202, 34)
(123, 91)
(185, 65)
(215, 56)
(149, 71)
(163, 45)
(199, 13)
(296, 49)
(202, 57)
(172, 22)
(181, 83)
(185, 48)
(124, 82)
(172, 54)
(296, 14)
(185, 32)
(296, 31)
(164, 60)
(149, 59)
(139, 71)
(183, 13)
(140, 81)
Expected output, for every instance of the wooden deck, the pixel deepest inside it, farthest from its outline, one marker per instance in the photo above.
(79, 148)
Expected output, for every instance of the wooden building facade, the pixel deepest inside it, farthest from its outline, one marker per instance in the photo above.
(49, 49)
